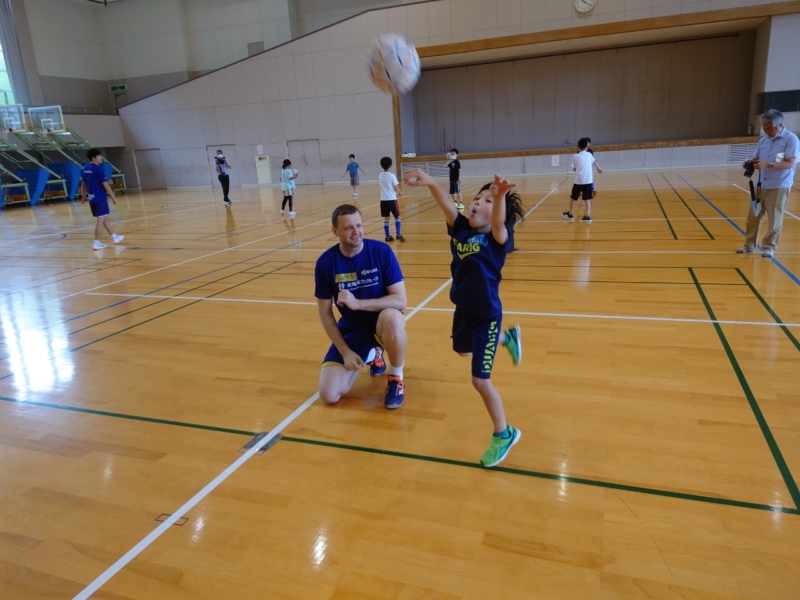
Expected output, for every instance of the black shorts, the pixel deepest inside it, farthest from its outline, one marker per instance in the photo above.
(390, 207)
(455, 187)
(585, 189)
(478, 335)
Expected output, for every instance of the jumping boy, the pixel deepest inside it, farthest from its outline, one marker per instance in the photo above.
(96, 189)
(455, 179)
(352, 168)
(583, 164)
(479, 243)
(390, 190)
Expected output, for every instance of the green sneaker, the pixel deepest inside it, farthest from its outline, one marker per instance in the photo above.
(499, 447)
(514, 343)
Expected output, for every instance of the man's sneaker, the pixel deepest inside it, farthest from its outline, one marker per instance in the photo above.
(117, 239)
(378, 365)
(586, 219)
(744, 250)
(98, 245)
(514, 344)
(401, 238)
(499, 447)
(389, 238)
(567, 215)
(766, 254)
(227, 202)
(460, 205)
(395, 393)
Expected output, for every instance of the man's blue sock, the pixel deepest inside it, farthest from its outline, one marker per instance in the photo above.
(397, 226)
(386, 228)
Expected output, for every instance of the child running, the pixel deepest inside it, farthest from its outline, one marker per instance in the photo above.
(288, 186)
(479, 243)
(352, 169)
(583, 164)
(390, 190)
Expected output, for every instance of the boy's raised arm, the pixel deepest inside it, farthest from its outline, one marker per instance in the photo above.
(419, 177)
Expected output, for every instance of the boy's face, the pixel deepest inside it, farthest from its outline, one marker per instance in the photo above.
(97, 160)
(480, 210)
(352, 159)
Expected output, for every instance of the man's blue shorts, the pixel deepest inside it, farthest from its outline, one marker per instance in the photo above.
(360, 340)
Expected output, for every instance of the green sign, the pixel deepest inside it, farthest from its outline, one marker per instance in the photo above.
(119, 88)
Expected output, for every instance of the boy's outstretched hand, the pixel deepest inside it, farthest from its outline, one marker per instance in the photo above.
(418, 177)
(501, 186)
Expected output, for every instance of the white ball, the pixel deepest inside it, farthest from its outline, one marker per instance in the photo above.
(294, 171)
(449, 156)
(393, 63)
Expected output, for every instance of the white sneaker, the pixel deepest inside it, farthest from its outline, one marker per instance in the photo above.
(744, 250)
(767, 254)
(355, 195)
(117, 238)
(281, 211)
(98, 245)
(292, 213)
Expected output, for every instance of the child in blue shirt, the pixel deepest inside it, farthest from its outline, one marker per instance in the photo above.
(480, 242)
(353, 168)
(95, 189)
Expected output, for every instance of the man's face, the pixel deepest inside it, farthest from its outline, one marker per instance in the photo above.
(350, 230)
(771, 130)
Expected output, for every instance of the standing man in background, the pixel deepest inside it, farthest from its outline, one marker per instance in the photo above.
(775, 159)
(222, 174)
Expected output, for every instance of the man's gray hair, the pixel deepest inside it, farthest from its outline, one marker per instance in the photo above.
(773, 117)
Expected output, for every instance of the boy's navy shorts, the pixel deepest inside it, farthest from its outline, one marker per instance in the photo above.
(479, 335)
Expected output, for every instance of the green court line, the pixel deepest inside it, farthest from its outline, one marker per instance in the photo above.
(551, 476)
(771, 312)
(687, 207)
(446, 461)
(661, 206)
(751, 399)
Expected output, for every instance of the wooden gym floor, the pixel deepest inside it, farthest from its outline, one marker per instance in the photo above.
(659, 398)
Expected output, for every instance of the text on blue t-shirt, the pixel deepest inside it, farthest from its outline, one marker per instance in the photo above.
(477, 261)
(367, 275)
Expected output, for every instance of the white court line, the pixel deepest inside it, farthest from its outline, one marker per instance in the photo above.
(551, 192)
(794, 216)
(194, 500)
(505, 312)
(438, 224)
(327, 220)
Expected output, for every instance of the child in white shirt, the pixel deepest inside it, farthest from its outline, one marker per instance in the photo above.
(583, 164)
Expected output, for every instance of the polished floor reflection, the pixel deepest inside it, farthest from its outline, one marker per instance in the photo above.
(658, 396)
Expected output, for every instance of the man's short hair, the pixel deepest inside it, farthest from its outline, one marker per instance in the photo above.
(583, 143)
(92, 153)
(386, 162)
(773, 117)
(343, 210)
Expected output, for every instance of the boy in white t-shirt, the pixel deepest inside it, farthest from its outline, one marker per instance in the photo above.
(390, 190)
(583, 164)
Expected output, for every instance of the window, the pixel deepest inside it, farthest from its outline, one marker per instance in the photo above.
(6, 93)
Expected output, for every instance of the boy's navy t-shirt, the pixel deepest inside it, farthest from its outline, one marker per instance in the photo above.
(353, 168)
(94, 176)
(455, 167)
(367, 275)
(477, 261)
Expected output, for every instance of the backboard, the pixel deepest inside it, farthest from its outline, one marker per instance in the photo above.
(47, 119)
(12, 118)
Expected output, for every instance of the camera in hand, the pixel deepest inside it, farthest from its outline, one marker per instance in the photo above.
(749, 168)
(220, 160)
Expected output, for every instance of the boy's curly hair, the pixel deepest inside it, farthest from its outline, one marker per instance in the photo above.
(515, 210)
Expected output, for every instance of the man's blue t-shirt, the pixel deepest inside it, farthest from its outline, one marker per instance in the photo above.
(477, 261)
(94, 176)
(353, 168)
(367, 275)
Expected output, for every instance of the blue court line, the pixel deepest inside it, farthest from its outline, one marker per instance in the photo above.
(778, 263)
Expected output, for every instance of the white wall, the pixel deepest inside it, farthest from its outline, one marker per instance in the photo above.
(143, 37)
(219, 31)
(103, 131)
(65, 40)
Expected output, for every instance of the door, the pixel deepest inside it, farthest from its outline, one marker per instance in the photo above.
(149, 169)
(306, 160)
(230, 154)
